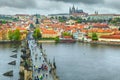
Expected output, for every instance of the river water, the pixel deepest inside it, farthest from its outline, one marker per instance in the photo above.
(5, 53)
(75, 61)
(80, 61)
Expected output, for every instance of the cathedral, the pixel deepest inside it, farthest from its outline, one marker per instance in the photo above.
(74, 10)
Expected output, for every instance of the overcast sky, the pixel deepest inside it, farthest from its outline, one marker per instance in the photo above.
(57, 6)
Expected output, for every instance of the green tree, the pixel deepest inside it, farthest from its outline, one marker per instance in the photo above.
(14, 35)
(71, 17)
(79, 21)
(57, 39)
(10, 35)
(37, 34)
(66, 34)
(52, 17)
(94, 36)
(115, 21)
(62, 19)
(4, 22)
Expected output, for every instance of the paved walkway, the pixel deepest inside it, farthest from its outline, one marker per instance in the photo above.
(39, 65)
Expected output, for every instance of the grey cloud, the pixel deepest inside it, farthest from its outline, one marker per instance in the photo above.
(50, 5)
(113, 4)
(18, 3)
(82, 1)
(58, 6)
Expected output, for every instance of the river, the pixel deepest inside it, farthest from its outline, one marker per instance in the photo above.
(80, 61)
(75, 61)
(5, 53)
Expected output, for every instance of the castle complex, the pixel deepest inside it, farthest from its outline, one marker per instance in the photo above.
(75, 11)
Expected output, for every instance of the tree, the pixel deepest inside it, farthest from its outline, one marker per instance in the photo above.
(94, 36)
(66, 34)
(14, 35)
(10, 35)
(37, 34)
(52, 17)
(79, 21)
(4, 22)
(57, 39)
(119, 28)
(62, 19)
(115, 21)
(71, 17)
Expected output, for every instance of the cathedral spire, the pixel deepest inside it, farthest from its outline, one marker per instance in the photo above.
(70, 11)
(73, 9)
(73, 6)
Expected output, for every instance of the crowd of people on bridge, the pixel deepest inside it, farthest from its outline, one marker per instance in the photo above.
(43, 67)
(41, 70)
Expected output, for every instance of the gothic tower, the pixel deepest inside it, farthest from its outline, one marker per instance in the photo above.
(73, 9)
(37, 23)
(70, 11)
(96, 12)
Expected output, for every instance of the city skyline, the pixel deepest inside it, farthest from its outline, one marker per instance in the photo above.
(57, 6)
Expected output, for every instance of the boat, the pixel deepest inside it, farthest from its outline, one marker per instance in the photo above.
(67, 40)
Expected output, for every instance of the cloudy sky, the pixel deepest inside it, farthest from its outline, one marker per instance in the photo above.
(57, 6)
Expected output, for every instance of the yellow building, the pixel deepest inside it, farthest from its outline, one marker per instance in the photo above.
(49, 34)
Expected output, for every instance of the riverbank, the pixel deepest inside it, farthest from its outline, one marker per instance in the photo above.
(9, 41)
(46, 41)
(104, 43)
(91, 42)
(53, 41)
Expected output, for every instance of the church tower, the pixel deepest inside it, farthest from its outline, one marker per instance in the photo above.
(96, 12)
(73, 9)
(37, 23)
(70, 11)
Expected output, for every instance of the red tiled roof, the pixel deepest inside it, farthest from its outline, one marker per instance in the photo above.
(48, 32)
(111, 36)
(100, 25)
(116, 33)
(20, 28)
(83, 30)
(100, 30)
